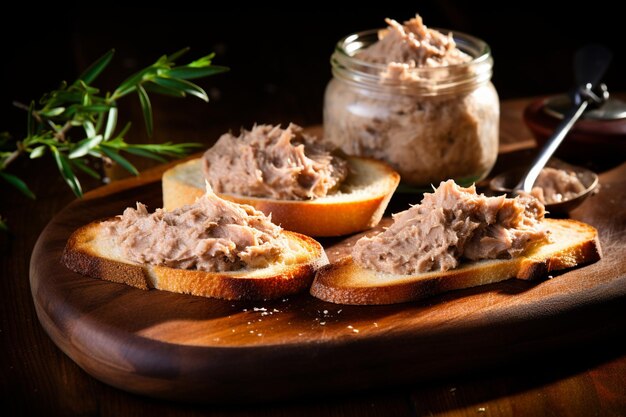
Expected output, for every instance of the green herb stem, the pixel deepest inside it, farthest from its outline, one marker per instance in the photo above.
(76, 122)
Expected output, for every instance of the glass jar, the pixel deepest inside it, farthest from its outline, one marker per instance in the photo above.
(437, 124)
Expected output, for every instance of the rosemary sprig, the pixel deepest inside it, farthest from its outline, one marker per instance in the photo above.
(76, 122)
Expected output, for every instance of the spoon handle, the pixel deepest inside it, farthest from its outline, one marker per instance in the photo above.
(527, 182)
(590, 64)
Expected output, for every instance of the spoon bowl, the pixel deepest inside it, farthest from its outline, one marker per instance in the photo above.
(506, 182)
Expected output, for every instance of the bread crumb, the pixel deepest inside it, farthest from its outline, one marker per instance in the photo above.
(375, 324)
(481, 409)
(322, 323)
(353, 329)
(259, 334)
(339, 311)
(251, 331)
(325, 311)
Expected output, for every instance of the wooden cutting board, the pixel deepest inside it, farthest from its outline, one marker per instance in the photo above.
(197, 349)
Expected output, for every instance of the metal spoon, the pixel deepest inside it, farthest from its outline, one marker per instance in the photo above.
(590, 64)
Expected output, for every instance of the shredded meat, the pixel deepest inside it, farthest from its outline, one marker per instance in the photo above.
(412, 45)
(210, 235)
(452, 224)
(556, 185)
(268, 161)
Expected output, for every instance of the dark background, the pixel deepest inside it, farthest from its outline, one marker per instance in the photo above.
(279, 60)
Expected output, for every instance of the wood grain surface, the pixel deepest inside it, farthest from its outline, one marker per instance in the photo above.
(190, 348)
(36, 378)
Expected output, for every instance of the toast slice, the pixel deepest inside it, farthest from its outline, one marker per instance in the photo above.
(358, 205)
(572, 243)
(90, 253)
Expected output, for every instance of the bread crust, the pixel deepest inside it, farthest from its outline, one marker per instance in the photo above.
(84, 254)
(574, 243)
(320, 217)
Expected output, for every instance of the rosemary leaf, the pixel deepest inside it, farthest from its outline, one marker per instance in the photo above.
(66, 171)
(190, 73)
(159, 89)
(91, 73)
(173, 57)
(183, 85)
(146, 107)
(125, 130)
(202, 62)
(37, 152)
(96, 108)
(144, 153)
(83, 147)
(130, 84)
(168, 148)
(87, 88)
(81, 165)
(119, 159)
(52, 112)
(111, 123)
(17, 183)
(90, 129)
(62, 96)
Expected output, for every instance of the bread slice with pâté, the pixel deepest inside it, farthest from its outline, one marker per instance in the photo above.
(220, 249)
(357, 205)
(572, 243)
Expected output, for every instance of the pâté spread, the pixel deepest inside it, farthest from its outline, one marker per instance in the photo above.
(210, 235)
(412, 45)
(556, 185)
(268, 161)
(450, 225)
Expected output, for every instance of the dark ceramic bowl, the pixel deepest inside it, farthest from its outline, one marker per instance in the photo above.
(590, 138)
(505, 182)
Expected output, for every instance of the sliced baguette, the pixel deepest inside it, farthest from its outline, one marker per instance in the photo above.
(573, 243)
(89, 253)
(359, 205)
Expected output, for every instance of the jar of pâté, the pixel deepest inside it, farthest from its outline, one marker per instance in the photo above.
(418, 98)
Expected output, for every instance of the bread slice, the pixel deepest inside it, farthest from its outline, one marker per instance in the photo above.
(573, 243)
(89, 253)
(358, 205)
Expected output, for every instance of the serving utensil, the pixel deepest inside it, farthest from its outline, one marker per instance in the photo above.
(590, 64)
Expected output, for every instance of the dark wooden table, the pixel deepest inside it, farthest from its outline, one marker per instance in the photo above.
(38, 379)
